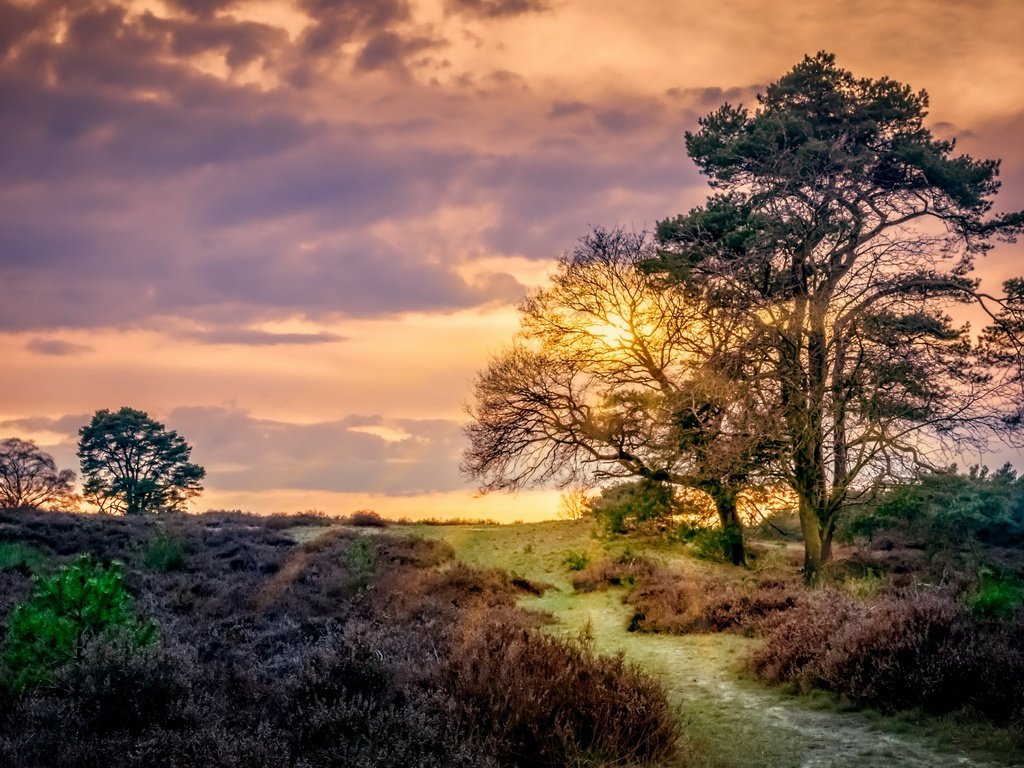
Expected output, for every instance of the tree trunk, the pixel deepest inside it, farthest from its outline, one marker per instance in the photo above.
(826, 539)
(804, 391)
(814, 554)
(732, 528)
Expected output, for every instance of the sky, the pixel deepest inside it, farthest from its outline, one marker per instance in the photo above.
(294, 230)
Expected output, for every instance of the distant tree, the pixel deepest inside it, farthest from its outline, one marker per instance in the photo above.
(575, 503)
(840, 234)
(29, 477)
(133, 465)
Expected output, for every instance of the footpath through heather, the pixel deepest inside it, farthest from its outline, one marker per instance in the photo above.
(734, 721)
(729, 720)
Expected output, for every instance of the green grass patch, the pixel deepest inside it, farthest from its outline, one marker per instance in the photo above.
(21, 557)
(165, 553)
(361, 562)
(999, 594)
(576, 561)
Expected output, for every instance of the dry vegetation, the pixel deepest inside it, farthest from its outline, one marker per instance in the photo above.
(348, 650)
(919, 648)
(889, 632)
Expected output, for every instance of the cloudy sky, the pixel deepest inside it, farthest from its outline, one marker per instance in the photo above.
(294, 229)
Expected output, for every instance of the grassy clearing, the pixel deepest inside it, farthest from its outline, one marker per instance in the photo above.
(730, 721)
(538, 552)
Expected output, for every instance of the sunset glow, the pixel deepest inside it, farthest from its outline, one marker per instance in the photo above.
(294, 230)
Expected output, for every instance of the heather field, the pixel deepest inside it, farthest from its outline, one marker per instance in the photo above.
(234, 645)
(737, 652)
(304, 640)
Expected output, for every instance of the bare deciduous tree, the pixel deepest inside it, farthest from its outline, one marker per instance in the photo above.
(29, 477)
(613, 376)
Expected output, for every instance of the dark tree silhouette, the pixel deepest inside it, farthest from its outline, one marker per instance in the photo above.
(132, 464)
(840, 234)
(29, 477)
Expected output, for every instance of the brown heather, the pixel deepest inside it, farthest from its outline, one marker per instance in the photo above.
(915, 648)
(350, 650)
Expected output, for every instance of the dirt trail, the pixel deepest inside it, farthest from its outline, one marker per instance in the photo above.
(747, 723)
(737, 722)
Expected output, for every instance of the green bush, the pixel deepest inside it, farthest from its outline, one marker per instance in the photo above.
(998, 595)
(626, 506)
(710, 543)
(708, 540)
(165, 553)
(79, 603)
(576, 561)
(20, 557)
(945, 509)
(361, 562)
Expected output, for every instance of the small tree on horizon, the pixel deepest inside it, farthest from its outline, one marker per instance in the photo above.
(575, 503)
(133, 465)
(29, 477)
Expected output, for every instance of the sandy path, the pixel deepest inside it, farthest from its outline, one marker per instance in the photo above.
(739, 723)
(744, 721)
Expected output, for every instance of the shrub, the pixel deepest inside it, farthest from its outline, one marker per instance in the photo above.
(709, 541)
(80, 602)
(666, 601)
(284, 521)
(361, 561)
(19, 557)
(947, 508)
(555, 701)
(576, 561)
(999, 594)
(366, 518)
(917, 649)
(165, 553)
(629, 505)
(624, 570)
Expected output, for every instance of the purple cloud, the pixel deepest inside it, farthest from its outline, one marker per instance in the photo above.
(495, 9)
(55, 347)
(250, 337)
(418, 456)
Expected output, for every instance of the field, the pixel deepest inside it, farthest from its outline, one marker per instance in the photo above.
(315, 642)
(229, 640)
(729, 720)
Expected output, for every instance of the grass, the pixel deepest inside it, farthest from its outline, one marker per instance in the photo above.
(998, 594)
(165, 553)
(729, 720)
(20, 557)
